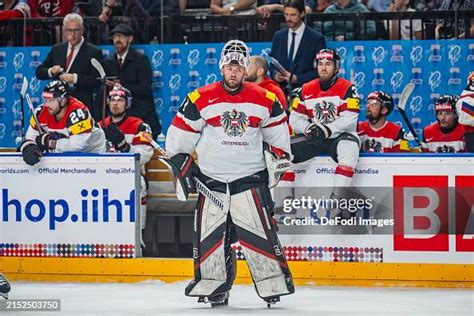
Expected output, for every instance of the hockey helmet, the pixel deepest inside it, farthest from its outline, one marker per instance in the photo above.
(470, 82)
(329, 54)
(56, 89)
(121, 92)
(235, 52)
(446, 102)
(385, 100)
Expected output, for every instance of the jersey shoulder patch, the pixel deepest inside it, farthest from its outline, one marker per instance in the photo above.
(79, 121)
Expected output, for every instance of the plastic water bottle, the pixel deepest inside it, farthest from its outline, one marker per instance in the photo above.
(161, 140)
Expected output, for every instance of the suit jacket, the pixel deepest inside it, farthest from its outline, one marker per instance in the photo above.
(136, 75)
(86, 73)
(311, 42)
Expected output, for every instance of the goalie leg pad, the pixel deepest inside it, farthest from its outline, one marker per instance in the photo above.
(210, 272)
(250, 211)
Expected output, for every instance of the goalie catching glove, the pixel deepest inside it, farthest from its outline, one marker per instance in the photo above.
(183, 170)
(277, 161)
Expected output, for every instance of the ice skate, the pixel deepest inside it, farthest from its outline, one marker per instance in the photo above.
(4, 286)
(216, 300)
(272, 300)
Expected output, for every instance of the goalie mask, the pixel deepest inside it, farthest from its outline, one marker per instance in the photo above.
(235, 52)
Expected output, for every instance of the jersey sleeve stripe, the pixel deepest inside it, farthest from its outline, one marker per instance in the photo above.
(181, 124)
(281, 121)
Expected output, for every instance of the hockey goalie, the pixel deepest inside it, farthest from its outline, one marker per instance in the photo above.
(240, 134)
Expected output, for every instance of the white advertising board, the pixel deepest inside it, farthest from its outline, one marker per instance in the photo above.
(426, 203)
(69, 206)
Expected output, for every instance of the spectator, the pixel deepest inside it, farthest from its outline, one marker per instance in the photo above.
(140, 8)
(403, 29)
(287, 48)
(48, 8)
(257, 73)
(321, 5)
(344, 30)
(236, 7)
(71, 62)
(88, 8)
(446, 29)
(13, 9)
(64, 125)
(133, 71)
(378, 5)
(377, 135)
(267, 9)
(126, 134)
(446, 135)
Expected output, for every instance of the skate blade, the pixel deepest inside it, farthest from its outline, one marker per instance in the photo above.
(4, 295)
(272, 301)
(215, 303)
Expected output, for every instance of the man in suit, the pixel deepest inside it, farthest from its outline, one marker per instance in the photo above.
(71, 62)
(295, 47)
(133, 71)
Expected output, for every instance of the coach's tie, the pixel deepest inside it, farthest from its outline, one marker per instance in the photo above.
(69, 57)
(120, 62)
(292, 51)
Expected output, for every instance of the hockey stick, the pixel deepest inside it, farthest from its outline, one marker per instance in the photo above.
(33, 113)
(402, 103)
(24, 87)
(200, 186)
(95, 63)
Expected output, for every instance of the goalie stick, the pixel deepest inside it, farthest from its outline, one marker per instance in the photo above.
(200, 186)
(24, 87)
(407, 91)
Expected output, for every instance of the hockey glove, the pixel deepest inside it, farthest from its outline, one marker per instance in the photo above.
(277, 161)
(317, 132)
(184, 169)
(31, 152)
(117, 138)
(46, 141)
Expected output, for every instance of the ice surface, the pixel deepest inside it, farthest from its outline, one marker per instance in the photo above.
(159, 298)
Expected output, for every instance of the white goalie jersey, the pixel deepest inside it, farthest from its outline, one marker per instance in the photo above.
(227, 131)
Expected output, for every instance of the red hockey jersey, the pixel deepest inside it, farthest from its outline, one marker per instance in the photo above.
(134, 129)
(274, 87)
(388, 138)
(439, 142)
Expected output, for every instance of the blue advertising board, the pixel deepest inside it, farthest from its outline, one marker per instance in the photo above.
(435, 67)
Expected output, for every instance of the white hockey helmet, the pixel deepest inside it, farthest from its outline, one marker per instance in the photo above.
(235, 52)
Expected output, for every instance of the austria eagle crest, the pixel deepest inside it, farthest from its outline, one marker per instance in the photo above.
(234, 123)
